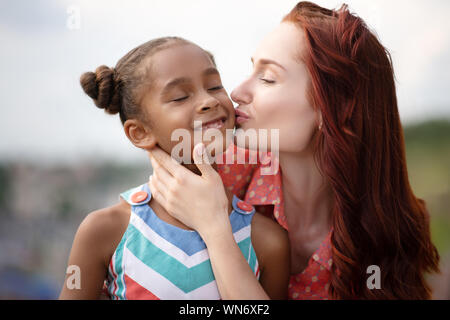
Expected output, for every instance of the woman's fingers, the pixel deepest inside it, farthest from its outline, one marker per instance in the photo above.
(166, 161)
(202, 161)
(160, 184)
(163, 175)
(156, 193)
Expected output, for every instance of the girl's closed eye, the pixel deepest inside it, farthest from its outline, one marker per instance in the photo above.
(180, 99)
(219, 87)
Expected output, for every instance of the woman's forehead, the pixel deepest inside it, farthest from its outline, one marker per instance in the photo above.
(283, 44)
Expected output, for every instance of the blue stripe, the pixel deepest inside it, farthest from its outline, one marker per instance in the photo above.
(185, 278)
(187, 240)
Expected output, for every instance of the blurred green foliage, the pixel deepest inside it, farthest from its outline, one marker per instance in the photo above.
(5, 189)
(428, 160)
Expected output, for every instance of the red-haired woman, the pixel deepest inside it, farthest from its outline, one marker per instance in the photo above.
(324, 80)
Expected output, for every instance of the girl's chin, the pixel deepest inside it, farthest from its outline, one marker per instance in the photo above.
(217, 148)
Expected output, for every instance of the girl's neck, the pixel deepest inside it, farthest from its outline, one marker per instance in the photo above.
(307, 196)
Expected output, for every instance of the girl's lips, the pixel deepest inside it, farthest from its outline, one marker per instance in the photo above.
(216, 123)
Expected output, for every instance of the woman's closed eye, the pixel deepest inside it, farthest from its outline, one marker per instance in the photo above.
(268, 81)
(266, 77)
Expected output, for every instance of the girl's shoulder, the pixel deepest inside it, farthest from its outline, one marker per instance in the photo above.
(268, 238)
(104, 228)
(267, 230)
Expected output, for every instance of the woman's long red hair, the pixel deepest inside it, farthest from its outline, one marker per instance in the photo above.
(377, 220)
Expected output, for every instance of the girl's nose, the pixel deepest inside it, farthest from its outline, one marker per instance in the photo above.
(208, 104)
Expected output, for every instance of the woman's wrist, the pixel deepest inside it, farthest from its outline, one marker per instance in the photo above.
(217, 231)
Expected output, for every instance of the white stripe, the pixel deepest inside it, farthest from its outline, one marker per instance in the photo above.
(242, 234)
(161, 286)
(166, 246)
(256, 269)
(173, 250)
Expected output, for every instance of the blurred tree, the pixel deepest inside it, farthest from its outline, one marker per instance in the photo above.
(428, 158)
(5, 189)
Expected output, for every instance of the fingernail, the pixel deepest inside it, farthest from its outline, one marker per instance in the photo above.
(201, 149)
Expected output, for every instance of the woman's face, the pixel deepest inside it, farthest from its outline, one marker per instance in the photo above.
(274, 95)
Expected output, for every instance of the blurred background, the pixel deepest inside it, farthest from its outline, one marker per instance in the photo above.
(61, 157)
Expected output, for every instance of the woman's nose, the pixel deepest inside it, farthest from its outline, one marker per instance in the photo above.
(241, 94)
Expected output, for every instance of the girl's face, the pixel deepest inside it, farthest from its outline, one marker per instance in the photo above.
(185, 88)
(274, 95)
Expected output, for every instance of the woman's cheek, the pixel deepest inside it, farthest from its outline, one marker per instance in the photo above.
(295, 120)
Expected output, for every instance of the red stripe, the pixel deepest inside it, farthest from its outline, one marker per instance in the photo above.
(114, 279)
(137, 292)
(257, 272)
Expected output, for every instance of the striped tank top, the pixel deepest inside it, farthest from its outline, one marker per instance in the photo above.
(157, 260)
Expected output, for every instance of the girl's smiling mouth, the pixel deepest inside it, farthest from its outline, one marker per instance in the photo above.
(216, 123)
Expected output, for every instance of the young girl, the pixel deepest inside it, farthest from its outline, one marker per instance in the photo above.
(135, 246)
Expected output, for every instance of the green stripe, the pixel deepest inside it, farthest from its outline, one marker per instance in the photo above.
(252, 259)
(187, 279)
(118, 267)
(126, 194)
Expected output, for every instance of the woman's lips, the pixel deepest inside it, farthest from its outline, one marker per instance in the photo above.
(241, 116)
(241, 120)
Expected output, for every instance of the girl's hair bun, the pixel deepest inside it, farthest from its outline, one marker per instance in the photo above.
(102, 87)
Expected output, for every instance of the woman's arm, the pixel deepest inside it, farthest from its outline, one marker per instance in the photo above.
(200, 202)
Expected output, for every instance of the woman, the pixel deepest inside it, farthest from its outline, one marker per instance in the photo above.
(324, 80)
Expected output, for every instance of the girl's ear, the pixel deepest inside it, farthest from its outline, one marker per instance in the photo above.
(139, 134)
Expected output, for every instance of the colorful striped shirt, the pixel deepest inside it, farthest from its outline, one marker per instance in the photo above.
(157, 260)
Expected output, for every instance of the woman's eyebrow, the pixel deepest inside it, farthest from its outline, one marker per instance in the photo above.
(268, 61)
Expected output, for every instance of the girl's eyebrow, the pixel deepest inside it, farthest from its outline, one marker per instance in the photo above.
(268, 61)
(210, 71)
(173, 83)
(182, 80)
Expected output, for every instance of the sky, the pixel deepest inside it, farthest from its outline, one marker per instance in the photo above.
(47, 44)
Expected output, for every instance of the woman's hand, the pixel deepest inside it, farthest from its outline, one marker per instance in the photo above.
(200, 202)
